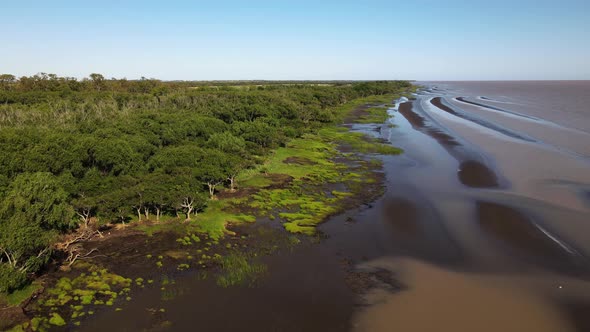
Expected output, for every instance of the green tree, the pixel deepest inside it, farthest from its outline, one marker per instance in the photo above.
(227, 143)
(98, 81)
(6, 81)
(33, 212)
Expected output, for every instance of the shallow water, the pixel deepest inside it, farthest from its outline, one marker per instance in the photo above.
(529, 233)
(485, 225)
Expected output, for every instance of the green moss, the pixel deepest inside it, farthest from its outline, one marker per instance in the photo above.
(70, 296)
(86, 299)
(56, 320)
(294, 227)
(36, 322)
(182, 267)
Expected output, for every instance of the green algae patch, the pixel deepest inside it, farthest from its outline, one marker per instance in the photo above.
(70, 297)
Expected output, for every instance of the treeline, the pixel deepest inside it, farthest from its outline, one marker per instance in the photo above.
(104, 150)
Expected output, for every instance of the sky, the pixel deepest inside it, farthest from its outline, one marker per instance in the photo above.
(298, 40)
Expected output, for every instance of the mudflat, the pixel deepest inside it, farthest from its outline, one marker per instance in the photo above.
(488, 209)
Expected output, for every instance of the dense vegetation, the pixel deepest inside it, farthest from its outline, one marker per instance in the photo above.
(83, 153)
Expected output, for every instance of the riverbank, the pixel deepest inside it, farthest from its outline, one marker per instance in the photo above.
(299, 186)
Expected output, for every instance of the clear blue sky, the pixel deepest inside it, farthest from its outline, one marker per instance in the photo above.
(363, 39)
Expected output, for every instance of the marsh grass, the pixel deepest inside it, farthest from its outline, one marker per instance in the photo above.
(238, 269)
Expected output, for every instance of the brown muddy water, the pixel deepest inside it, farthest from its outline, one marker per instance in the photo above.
(484, 226)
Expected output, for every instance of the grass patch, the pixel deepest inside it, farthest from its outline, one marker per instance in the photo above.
(357, 141)
(18, 296)
(218, 214)
(377, 114)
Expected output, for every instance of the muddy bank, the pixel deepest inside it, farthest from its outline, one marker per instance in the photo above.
(420, 123)
(473, 171)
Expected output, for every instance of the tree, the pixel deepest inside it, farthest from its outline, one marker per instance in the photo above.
(6, 81)
(189, 199)
(34, 211)
(236, 164)
(227, 143)
(85, 207)
(213, 170)
(159, 193)
(98, 81)
(40, 199)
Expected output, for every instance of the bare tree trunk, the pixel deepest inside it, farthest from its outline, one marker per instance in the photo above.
(84, 215)
(157, 214)
(138, 213)
(187, 203)
(188, 213)
(212, 186)
(146, 212)
(211, 189)
(232, 183)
